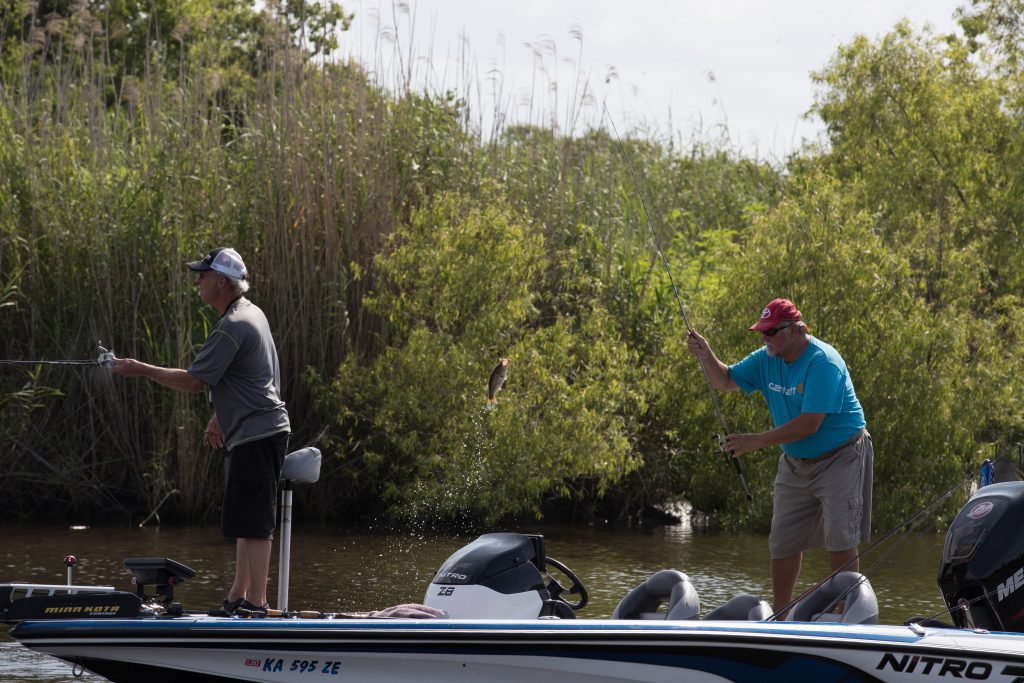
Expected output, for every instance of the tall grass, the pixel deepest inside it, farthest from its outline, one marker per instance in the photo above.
(112, 175)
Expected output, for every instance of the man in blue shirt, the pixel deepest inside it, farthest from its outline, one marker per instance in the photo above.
(822, 491)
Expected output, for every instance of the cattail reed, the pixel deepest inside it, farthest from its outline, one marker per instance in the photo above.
(119, 163)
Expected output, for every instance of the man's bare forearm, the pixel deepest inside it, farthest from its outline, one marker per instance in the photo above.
(173, 378)
(718, 374)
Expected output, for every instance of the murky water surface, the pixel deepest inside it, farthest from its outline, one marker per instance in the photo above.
(336, 570)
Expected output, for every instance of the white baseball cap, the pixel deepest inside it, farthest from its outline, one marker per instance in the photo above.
(224, 260)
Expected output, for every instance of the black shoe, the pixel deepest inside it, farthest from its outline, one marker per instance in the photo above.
(247, 609)
(229, 608)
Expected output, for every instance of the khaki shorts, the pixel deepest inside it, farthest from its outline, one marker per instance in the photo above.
(824, 504)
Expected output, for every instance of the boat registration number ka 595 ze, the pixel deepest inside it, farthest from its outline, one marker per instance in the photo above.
(301, 666)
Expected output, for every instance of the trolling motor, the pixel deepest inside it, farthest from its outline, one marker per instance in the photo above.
(163, 574)
(24, 601)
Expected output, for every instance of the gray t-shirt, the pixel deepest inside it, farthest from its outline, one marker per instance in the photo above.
(239, 363)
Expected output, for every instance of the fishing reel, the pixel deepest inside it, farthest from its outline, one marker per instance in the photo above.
(106, 358)
(720, 440)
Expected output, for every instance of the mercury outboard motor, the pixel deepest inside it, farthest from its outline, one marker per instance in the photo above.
(982, 572)
(501, 576)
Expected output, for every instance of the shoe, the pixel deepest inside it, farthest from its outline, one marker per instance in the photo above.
(229, 608)
(247, 609)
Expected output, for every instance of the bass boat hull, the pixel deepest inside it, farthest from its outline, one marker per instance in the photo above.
(384, 650)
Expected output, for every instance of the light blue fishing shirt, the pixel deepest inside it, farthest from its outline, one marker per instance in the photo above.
(816, 382)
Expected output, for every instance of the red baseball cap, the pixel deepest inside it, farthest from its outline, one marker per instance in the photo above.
(778, 311)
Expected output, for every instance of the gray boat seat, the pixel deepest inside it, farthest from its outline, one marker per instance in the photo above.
(668, 587)
(743, 607)
(851, 590)
(302, 466)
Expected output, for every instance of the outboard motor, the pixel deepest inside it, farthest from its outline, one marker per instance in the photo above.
(982, 572)
(501, 576)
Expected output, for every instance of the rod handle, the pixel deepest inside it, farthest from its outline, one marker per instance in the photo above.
(720, 438)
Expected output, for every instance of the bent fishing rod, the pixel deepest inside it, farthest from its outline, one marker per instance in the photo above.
(906, 526)
(719, 438)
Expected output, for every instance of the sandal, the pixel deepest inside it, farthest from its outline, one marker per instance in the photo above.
(228, 609)
(247, 609)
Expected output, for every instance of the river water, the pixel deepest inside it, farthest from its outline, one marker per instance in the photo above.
(337, 570)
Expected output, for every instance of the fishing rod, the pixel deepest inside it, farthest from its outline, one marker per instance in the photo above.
(905, 526)
(106, 359)
(719, 438)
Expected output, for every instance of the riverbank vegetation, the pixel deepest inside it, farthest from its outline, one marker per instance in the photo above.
(399, 252)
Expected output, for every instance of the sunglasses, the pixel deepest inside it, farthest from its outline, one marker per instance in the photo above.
(775, 330)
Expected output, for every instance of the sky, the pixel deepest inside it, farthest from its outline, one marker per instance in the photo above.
(733, 70)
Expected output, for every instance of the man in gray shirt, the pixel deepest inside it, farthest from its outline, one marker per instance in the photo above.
(238, 362)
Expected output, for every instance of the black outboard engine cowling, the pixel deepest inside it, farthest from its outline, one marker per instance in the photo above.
(497, 576)
(982, 572)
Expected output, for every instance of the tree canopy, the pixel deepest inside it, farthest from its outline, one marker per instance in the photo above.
(399, 256)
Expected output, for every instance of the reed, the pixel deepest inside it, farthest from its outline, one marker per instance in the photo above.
(116, 170)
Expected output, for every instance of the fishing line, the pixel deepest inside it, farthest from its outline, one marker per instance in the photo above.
(963, 604)
(907, 524)
(864, 576)
(719, 438)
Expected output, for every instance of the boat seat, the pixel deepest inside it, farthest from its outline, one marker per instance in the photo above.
(850, 589)
(302, 466)
(668, 587)
(743, 607)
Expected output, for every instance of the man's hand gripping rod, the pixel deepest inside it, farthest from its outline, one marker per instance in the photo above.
(719, 438)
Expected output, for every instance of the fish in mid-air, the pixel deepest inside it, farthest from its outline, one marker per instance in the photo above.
(498, 376)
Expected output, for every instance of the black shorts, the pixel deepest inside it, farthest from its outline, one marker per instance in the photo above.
(250, 496)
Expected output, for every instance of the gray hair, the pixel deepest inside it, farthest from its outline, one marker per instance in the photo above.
(239, 287)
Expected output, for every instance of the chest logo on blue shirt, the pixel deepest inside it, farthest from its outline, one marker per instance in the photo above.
(785, 391)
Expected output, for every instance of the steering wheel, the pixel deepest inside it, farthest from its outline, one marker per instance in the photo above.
(556, 589)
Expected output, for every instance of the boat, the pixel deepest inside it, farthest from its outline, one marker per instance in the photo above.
(499, 609)
(218, 649)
